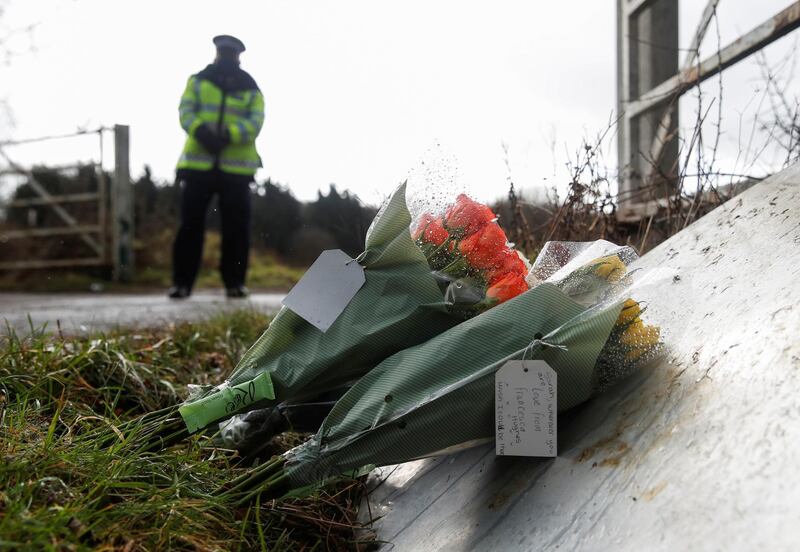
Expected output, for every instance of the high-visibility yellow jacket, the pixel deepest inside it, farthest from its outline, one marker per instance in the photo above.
(227, 99)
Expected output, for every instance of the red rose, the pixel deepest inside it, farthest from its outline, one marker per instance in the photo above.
(506, 287)
(430, 230)
(468, 215)
(508, 261)
(484, 248)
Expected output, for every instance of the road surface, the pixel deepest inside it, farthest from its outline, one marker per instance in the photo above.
(84, 312)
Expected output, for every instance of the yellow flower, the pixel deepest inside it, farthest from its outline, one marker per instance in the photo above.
(630, 311)
(610, 268)
(648, 343)
(639, 335)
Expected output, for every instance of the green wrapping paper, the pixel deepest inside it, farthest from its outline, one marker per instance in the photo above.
(439, 395)
(399, 306)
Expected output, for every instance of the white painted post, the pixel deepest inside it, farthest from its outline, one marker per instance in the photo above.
(122, 207)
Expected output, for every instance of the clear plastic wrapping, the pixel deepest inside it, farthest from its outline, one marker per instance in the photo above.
(469, 254)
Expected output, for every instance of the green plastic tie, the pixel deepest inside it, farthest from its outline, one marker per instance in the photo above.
(226, 402)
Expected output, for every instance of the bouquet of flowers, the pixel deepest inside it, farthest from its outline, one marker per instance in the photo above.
(402, 303)
(593, 271)
(405, 407)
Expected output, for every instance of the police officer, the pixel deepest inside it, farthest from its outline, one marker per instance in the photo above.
(222, 111)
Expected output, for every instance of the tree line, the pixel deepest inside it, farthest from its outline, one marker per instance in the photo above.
(298, 231)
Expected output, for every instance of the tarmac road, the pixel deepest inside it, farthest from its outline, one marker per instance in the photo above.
(84, 312)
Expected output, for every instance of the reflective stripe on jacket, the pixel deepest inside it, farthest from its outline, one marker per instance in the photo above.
(241, 112)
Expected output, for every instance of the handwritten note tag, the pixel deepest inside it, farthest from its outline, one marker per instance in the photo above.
(526, 409)
(326, 288)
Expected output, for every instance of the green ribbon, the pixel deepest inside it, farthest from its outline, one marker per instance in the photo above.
(226, 402)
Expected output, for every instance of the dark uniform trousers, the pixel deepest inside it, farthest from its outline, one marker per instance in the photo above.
(197, 190)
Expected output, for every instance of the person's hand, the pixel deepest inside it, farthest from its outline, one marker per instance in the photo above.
(225, 135)
(209, 139)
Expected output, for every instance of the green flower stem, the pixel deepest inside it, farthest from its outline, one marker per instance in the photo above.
(458, 268)
(267, 466)
(162, 441)
(436, 255)
(256, 481)
(273, 488)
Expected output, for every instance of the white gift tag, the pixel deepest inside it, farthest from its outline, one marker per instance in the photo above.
(526, 409)
(326, 288)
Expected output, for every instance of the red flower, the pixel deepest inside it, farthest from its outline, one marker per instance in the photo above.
(468, 215)
(484, 248)
(423, 223)
(508, 261)
(430, 230)
(506, 287)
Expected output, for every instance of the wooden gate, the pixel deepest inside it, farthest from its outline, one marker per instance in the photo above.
(107, 235)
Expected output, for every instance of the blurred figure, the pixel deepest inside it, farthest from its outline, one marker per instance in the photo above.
(222, 111)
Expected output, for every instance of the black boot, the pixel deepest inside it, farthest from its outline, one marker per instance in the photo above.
(237, 292)
(179, 292)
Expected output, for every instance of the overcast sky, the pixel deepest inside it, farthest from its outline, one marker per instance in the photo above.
(358, 92)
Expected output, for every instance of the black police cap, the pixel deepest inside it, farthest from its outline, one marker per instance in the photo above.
(228, 41)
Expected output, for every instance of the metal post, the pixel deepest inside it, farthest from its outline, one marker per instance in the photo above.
(647, 95)
(102, 199)
(102, 212)
(623, 78)
(122, 207)
(647, 54)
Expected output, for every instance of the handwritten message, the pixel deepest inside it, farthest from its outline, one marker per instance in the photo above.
(225, 401)
(242, 396)
(526, 409)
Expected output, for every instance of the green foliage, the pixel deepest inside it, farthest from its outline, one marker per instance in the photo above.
(296, 231)
(343, 217)
(277, 216)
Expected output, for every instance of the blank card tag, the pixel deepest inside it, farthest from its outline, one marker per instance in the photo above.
(525, 409)
(326, 288)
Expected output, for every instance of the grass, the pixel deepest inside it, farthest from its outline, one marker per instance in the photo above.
(265, 272)
(154, 272)
(59, 491)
